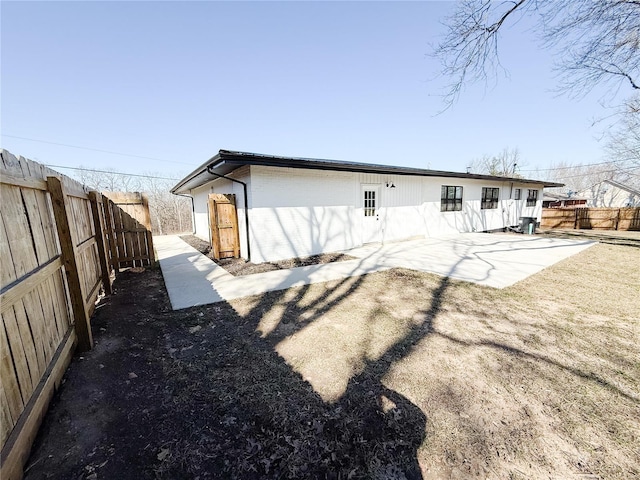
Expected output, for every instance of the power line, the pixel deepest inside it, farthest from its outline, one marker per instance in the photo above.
(96, 149)
(582, 175)
(111, 172)
(569, 167)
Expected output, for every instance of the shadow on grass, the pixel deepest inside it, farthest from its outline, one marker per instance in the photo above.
(241, 411)
(211, 398)
(518, 353)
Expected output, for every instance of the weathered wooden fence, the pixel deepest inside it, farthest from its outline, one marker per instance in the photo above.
(59, 244)
(591, 218)
(130, 222)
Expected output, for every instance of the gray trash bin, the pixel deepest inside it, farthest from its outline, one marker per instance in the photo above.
(528, 225)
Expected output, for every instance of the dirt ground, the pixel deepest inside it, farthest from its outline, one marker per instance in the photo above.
(392, 375)
(239, 267)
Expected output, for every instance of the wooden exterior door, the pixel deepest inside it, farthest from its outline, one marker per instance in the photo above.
(223, 219)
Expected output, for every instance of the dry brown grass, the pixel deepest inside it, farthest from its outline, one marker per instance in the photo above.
(396, 375)
(538, 380)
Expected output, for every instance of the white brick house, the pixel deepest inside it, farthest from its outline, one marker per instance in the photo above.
(295, 207)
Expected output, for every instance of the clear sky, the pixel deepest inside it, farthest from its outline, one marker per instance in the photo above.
(177, 81)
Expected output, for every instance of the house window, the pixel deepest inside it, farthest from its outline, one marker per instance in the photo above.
(517, 194)
(532, 198)
(369, 203)
(489, 198)
(450, 198)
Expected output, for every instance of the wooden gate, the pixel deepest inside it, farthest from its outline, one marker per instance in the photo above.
(632, 217)
(223, 220)
(129, 229)
(582, 219)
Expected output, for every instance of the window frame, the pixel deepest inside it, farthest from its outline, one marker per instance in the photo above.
(490, 202)
(450, 203)
(369, 203)
(517, 194)
(532, 197)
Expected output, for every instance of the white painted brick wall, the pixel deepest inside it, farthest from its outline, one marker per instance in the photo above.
(472, 218)
(297, 213)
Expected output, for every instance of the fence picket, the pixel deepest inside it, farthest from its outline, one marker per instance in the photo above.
(591, 218)
(69, 257)
(58, 244)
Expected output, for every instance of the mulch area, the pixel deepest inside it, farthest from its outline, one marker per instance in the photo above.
(239, 267)
(199, 393)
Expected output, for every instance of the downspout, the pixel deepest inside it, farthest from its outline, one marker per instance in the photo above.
(510, 203)
(246, 206)
(193, 211)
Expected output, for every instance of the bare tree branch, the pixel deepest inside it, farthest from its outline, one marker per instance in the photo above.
(169, 213)
(597, 42)
(469, 50)
(505, 164)
(623, 146)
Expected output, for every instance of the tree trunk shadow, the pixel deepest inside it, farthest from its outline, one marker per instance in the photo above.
(256, 417)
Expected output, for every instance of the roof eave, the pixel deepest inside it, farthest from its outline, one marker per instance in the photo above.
(180, 187)
(234, 159)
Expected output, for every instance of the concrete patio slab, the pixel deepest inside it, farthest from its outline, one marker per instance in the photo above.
(495, 260)
(488, 259)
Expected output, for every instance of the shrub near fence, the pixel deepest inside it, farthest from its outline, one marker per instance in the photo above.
(59, 243)
(591, 218)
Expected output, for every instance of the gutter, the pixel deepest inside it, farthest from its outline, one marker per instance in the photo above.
(230, 159)
(246, 205)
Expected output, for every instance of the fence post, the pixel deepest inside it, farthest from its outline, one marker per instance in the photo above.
(147, 225)
(82, 323)
(111, 228)
(98, 215)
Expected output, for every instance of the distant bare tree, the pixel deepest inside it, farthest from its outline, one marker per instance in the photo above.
(504, 164)
(597, 41)
(169, 213)
(107, 179)
(578, 177)
(623, 146)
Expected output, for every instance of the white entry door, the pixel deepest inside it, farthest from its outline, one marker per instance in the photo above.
(371, 225)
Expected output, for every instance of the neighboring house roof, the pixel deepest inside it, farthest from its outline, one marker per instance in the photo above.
(622, 186)
(225, 161)
(556, 197)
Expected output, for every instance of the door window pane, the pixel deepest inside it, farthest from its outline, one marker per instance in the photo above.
(369, 203)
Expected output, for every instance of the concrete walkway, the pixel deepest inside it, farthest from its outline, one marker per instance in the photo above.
(488, 259)
(193, 279)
